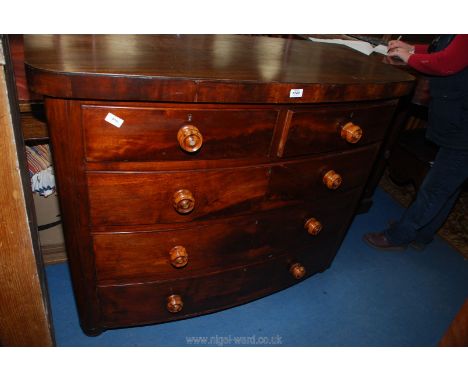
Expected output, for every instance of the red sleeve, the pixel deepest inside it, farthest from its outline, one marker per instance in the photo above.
(420, 48)
(449, 61)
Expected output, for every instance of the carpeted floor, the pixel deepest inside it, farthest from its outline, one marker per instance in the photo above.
(455, 229)
(366, 298)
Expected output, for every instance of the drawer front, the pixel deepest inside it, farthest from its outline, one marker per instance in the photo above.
(151, 134)
(319, 129)
(153, 198)
(144, 303)
(195, 251)
(149, 198)
(305, 181)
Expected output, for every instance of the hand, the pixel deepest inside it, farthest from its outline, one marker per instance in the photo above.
(402, 53)
(399, 44)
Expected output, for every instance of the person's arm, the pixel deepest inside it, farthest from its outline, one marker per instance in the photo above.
(403, 50)
(449, 61)
(420, 48)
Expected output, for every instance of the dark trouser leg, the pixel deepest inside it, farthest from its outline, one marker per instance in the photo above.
(426, 234)
(434, 201)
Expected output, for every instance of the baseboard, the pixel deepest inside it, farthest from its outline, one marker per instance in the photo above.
(54, 254)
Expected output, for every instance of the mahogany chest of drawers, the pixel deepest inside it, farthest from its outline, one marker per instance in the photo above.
(197, 173)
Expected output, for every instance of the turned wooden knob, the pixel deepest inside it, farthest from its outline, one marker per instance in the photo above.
(297, 270)
(184, 202)
(190, 138)
(313, 226)
(179, 256)
(332, 180)
(351, 133)
(174, 303)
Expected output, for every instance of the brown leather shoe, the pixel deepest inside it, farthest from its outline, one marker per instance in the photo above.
(378, 240)
(416, 245)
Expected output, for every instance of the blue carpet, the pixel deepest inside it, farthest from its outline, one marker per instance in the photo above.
(366, 298)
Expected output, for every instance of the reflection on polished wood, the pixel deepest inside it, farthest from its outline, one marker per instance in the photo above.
(204, 68)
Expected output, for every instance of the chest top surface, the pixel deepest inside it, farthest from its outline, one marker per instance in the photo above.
(205, 68)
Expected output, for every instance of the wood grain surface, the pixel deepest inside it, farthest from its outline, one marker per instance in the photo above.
(205, 68)
(212, 247)
(23, 311)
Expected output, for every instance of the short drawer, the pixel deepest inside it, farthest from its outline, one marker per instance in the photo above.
(334, 127)
(176, 134)
(173, 197)
(197, 250)
(144, 303)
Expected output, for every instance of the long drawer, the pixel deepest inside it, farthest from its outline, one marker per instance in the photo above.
(144, 303)
(200, 249)
(151, 197)
(152, 133)
(145, 198)
(306, 180)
